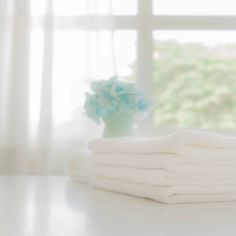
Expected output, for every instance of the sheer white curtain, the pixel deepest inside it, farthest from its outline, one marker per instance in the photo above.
(42, 84)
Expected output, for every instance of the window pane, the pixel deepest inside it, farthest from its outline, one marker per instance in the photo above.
(128, 7)
(195, 79)
(83, 7)
(80, 57)
(194, 7)
(70, 7)
(38, 7)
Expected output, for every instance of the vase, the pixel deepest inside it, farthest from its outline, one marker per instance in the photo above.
(118, 126)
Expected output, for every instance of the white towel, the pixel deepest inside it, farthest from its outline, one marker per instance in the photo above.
(161, 177)
(78, 166)
(177, 143)
(211, 153)
(172, 162)
(178, 194)
(196, 191)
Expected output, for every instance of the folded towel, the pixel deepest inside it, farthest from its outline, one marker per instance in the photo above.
(166, 187)
(78, 166)
(210, 153)
(161, 177)
(172, 143)
(159, 169)
(84, 178)
(178, 194)
(172, 162)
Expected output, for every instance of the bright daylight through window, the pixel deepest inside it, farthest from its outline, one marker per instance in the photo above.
(182, 52)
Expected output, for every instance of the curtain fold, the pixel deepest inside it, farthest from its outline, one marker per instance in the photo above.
(43, 81)
(18, 83)
(45, 127)
(14, 86)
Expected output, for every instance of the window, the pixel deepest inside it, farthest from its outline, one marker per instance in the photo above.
(194, 79)
(191, 7)
(180, 52)
(79, 53)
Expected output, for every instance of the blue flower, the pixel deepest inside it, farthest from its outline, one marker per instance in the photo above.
(111, 97)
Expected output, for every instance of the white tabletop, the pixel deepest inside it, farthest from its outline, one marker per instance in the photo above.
(42, 206)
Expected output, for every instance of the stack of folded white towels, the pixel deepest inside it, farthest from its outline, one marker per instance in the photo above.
(185, 166)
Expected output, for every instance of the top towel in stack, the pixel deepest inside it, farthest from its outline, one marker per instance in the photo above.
(185, 166)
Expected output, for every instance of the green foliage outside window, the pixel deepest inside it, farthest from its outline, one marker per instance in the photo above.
(194, 85)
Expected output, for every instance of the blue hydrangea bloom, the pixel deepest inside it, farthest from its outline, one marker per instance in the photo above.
(111, 97)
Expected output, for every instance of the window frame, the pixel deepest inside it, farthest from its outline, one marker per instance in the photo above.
(144, 23)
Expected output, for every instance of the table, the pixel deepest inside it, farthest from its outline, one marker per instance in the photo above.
(57, 206)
